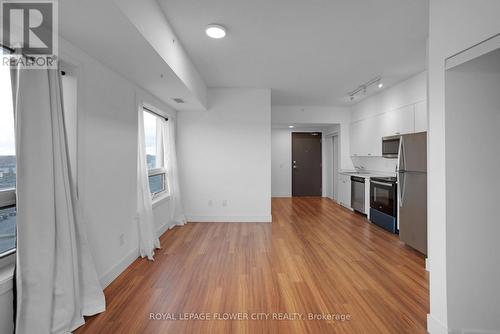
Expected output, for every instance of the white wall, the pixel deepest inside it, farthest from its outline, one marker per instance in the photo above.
(408, 92)
(107, 150)
(454, 26)
(318, 115)
(281, 157)
(473, 250)
(281, 153)
(225, 157)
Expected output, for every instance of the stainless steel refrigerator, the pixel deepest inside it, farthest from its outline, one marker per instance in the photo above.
(412, 190)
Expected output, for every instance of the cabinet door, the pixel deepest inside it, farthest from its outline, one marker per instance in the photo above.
(421, 116)
(373, 136)
(341, 189)
(399, 121)
(365, 137)
(356, 138)
(345, 190)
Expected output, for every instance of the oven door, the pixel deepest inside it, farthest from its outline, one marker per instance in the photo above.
(383, 197)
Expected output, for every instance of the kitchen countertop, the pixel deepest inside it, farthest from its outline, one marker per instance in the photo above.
(366, 174)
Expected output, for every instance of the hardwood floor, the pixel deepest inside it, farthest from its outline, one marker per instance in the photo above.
(315, 258)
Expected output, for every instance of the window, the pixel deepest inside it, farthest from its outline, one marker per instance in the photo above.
(154, 153)
(7, 165)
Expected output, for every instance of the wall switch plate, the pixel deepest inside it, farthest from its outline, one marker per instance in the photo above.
(224, 202)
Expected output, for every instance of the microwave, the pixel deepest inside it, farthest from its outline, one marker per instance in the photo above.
(390, 146)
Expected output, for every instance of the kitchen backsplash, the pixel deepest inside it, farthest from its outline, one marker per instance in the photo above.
(376, 164)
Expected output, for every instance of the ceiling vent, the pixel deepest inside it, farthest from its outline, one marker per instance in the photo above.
(178, 100)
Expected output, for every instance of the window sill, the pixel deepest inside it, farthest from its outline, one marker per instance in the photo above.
(160, 198)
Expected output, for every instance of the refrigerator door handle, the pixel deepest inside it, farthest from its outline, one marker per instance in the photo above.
(400, 183)
(402, 154)
(403, 188)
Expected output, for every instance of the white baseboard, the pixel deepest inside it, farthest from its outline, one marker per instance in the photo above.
(118, 268)
(281, 195)
(435, 327)
(126, 261)
(229, 219)
(164, 228)
(476, 331)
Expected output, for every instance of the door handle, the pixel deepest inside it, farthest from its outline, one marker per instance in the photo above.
(402, 187)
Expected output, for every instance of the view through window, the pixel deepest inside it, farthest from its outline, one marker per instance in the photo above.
(157, 172)
(7, 165)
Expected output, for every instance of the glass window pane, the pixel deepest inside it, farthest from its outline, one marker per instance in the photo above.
(7, 229)
(157, 183)
(7, 143)
(150, 136)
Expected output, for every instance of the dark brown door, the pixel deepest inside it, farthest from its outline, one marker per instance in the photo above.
(306, 164)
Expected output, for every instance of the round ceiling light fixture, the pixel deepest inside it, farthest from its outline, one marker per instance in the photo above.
(291, 126)
(215, 31)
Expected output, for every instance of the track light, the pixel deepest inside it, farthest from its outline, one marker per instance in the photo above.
(364, 87)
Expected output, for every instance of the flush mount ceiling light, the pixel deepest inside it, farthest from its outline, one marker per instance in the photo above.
(215, 31)
(291, 126)
(364, 87)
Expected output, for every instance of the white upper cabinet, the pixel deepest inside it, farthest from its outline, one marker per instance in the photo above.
(421, 116)
(399, 121)
(356, 137)
(366, 134)
(365, 137)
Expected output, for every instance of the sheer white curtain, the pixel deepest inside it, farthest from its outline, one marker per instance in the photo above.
(55, 275)
(170, 162)
(148, 238)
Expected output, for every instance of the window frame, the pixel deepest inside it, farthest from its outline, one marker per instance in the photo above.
(7, 200)
(158, 170)
(7, 196)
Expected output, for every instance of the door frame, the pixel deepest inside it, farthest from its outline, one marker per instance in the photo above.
(331, 156)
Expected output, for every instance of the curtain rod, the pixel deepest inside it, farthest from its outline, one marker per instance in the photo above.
(154, 112)
(7, 48)
(11, 50)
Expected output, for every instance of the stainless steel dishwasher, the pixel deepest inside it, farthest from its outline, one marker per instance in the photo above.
(358, 194)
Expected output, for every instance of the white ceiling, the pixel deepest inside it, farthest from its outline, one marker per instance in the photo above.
(309, 52)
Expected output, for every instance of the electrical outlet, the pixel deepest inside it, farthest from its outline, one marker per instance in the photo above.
(122, 239)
